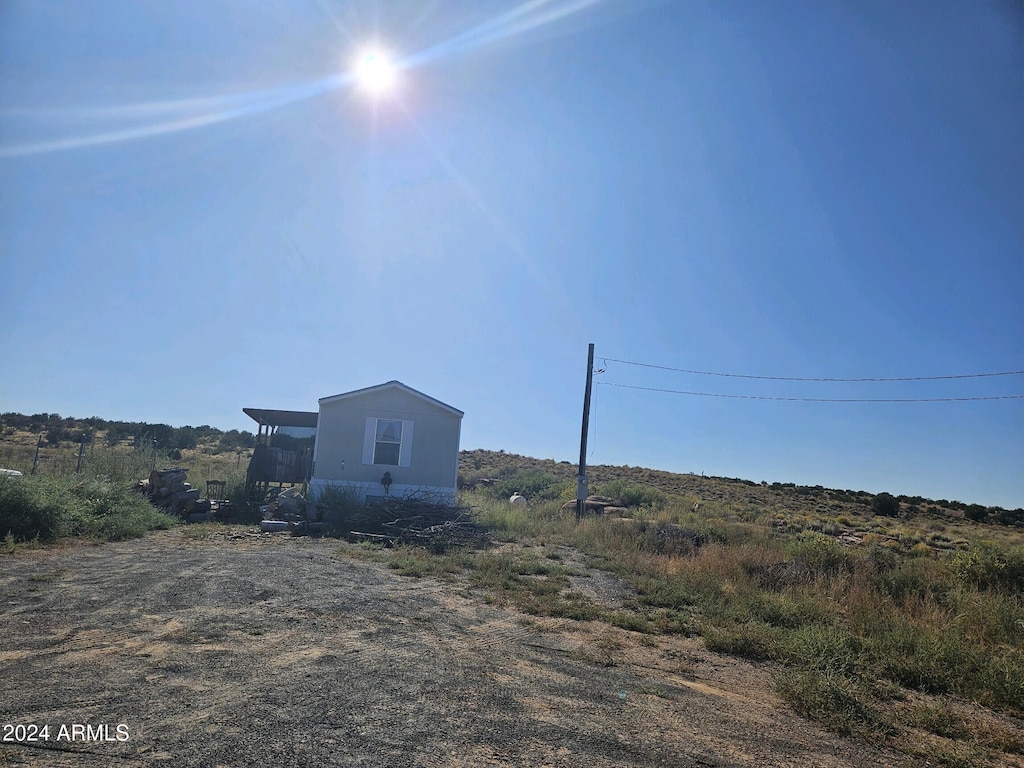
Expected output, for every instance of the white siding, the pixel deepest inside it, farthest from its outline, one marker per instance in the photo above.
(428, 452)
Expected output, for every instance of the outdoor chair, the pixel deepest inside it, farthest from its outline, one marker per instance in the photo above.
(215, 489)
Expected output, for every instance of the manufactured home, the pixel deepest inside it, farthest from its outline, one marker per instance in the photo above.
(362, 435)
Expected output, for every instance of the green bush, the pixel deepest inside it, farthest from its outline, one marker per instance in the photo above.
(991, 567)
(823, 648)
(30, 509)
(817, 555)
(831, 698)
(50, 508)
(976, 512)
(109, 511)
(632, 494)
(885, 504)
(752, 640)
(534, 484)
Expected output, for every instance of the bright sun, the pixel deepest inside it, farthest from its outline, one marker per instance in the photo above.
(375, 72)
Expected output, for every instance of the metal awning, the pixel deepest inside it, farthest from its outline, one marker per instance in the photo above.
(273, 418)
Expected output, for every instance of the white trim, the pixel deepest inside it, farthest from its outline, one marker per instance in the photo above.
(458, 443)
(405, 447)
(394, 384)
(433, 493)
(370, 442)
(369, 439)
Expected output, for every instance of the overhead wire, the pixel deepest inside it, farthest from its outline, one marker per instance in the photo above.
(815, 378)
(818, 399)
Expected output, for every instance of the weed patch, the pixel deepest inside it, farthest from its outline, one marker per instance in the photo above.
(48, 508)
(832, 699)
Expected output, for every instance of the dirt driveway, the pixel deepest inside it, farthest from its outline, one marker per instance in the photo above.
(271, 650)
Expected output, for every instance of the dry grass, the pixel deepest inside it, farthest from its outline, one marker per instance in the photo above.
(857, 616)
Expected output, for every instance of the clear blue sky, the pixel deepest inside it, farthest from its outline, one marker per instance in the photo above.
(201, 210)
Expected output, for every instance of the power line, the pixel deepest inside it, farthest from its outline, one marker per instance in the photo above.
(820, 379)
(819, 399)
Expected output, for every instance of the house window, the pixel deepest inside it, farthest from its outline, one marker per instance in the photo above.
(387, 447)
(388, 442)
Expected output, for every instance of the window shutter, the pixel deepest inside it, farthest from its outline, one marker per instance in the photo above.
(369, 436)
(405, 457)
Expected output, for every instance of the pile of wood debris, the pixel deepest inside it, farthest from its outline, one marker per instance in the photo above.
(419, 523)
(389, 522)
(169, 489)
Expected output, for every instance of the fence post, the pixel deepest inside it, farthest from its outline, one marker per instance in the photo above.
(81, 450)
(35, 459)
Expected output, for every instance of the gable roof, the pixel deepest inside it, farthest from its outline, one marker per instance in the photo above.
(393, 384)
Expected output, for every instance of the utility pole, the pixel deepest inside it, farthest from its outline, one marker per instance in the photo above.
(581, 480)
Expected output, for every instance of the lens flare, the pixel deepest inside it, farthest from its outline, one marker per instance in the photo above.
(375, 71)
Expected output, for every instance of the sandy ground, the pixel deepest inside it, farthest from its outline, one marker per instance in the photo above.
(271, 650)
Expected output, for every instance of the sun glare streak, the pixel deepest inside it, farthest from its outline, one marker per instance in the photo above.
(529, 16)
(215, 110)
(329, 12)
(501, 229)
(377, 74)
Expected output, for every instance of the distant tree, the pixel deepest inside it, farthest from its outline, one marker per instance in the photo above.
(55, 434)
(233, 440)
(116, 432)
(976, 512)
(184, 438)
(16, 420)
(885, 504)
(1010, 516)
(39, 421)
(163, 434)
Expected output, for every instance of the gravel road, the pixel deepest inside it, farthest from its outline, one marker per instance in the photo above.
(246, 649)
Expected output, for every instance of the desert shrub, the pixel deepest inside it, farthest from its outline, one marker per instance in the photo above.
(831, 698)
(50, 508)
(781, 610)
(988, 566)
(909, 579)
(752, 640)
(814, 554)
(1009, 516)
(534, 484)
(632, 494)
(29, 509)
(668, 539)
(102, 509)
(976, 512)
(934, 662)
(823, 648)
(885, 504)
